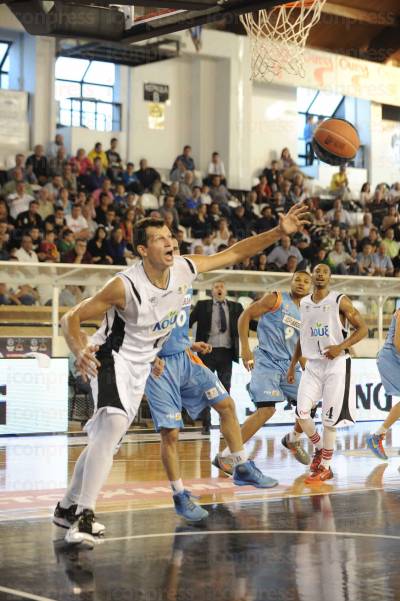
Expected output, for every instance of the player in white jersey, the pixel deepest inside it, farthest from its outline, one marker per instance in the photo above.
(139, 308)
(325, 343)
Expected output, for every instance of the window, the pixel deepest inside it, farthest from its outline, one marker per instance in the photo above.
(85, 92)
(316, 104)
(4, 64)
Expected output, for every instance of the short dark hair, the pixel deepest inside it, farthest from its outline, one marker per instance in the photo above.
(140, 231)
(301, 271)
(114, 139)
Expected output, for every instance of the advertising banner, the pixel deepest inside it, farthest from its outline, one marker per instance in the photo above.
(33, 396)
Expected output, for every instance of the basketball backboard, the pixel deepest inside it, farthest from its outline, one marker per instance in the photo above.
(105, 21)
(176, 15)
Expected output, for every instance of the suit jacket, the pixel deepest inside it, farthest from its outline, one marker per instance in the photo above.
(202, 314)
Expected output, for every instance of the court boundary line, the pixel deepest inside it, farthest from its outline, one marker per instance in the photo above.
(23, 594)
(244, 500)
(235, 532)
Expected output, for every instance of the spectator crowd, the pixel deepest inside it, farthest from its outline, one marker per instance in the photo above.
(82, 209)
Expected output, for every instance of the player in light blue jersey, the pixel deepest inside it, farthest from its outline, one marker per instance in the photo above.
(388, 362)
(180, 379)
(277, 332)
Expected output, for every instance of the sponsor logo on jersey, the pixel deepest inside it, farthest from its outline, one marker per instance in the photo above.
(187, 301)
(212, 393)
(291, 321)
(166, 322)
(175, 416)
(182, 289)
(153, 300)
(319, 330)
(273, 393)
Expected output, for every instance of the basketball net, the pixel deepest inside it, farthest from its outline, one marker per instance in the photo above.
(278, 37)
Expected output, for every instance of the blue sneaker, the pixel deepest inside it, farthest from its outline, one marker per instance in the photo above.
(247, 474)
(185, 507)
(375, 444)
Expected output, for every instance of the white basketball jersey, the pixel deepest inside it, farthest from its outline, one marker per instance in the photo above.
(138, 332)
(321, 325)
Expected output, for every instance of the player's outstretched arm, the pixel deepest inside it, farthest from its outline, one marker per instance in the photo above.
(253, 311)
(112, 294)
(288, 224)
(355, 318)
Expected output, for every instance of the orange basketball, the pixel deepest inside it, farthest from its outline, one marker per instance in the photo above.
(336, 141)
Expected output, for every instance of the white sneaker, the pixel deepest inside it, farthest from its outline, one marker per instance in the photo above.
(66, 517)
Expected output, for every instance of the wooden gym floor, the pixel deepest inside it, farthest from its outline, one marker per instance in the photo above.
(335, 542)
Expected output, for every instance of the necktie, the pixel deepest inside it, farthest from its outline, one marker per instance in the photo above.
(222, 317)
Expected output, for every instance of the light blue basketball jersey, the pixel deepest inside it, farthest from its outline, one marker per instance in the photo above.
(278, 330)
(179, 340)
(389, 342)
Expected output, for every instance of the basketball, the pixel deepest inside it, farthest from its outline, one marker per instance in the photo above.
(336, 141)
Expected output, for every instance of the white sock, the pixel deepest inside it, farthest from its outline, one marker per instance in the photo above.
(74, 489)
(106, 434)
(239, 457)
(294, 436)
(329, 439)
(226, 452)
(177, 485)
(310, 430)
(381, 430)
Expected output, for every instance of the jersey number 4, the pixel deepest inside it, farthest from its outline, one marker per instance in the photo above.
(329, 414)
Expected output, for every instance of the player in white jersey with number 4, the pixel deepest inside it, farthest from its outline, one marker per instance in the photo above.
(325, 343)
(139, 308)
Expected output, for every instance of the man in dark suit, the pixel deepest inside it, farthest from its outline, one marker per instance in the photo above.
(217, 324)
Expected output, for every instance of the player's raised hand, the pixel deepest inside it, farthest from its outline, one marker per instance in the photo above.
(248, 359)
(291, 221)
(157, 367)
(201, 347)
(291, 375)
(86, 362)
(333, 351)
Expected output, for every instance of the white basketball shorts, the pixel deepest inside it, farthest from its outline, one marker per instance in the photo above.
(330, 381)
(118, 387)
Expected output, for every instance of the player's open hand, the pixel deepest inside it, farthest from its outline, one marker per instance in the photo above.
(331, 352)
(293, 219)
(86, 362)
(291, 375)
(157, 367)
(201, 347)
(248, 359)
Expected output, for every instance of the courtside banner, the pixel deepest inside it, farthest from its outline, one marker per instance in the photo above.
(372, 402)
(33, 396)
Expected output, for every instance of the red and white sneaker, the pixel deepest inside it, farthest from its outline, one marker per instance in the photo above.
(316, 460)
(322, 474)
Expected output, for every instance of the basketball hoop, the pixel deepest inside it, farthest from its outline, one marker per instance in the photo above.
(278, 37)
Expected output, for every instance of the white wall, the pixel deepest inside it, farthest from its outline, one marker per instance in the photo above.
(80, 137)
(385, 148)
(161, 146)
(274, 124)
